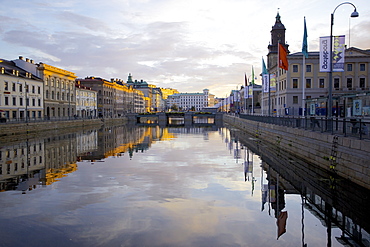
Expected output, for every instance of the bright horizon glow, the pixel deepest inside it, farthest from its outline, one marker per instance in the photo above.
(186, 45)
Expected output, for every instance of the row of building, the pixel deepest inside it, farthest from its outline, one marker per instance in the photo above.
(31, 90)
(304, 86)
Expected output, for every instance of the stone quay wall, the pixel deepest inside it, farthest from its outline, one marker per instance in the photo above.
(19, 130)
(347, 157)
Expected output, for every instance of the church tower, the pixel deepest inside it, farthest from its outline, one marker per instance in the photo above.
(277, 36)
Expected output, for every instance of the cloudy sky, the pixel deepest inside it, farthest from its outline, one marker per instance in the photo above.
(188, 45)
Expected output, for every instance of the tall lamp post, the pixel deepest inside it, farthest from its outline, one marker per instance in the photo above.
(330, 91)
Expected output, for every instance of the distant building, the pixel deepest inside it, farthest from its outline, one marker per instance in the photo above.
(189, 101)
(21, 93)
(86, 102)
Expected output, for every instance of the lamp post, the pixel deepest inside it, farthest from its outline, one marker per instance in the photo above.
(330, 91)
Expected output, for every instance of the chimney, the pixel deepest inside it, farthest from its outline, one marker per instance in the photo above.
(27, 60)
(20, 58)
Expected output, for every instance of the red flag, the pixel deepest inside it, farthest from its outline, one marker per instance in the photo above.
(283, 61)
(245, 80)
(281, 223)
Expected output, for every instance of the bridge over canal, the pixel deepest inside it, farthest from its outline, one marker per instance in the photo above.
(188, 118)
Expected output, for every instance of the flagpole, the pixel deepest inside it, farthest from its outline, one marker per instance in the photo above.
(303, 84)
(277, 83)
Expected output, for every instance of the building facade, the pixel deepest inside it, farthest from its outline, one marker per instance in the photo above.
(59, 88)
(287, 96)
(86, 102)
(189, 101)
(21, 93)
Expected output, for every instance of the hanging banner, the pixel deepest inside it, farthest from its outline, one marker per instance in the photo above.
(250, 91)
(338, 53)
(246, 92)
(324, 54)
(265, 82)
(272, 83)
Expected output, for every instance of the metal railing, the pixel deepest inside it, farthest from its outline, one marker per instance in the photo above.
(352, 127)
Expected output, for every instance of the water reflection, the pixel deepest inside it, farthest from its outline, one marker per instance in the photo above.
(174, 186)
(336, 202)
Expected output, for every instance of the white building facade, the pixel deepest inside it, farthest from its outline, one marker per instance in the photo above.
(21, 93)
(86, 102)
(189, 101)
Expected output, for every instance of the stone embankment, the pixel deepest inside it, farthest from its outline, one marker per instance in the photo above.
(18, 131)
(349, 158)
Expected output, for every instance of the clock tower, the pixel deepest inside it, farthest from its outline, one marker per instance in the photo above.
(277, 36)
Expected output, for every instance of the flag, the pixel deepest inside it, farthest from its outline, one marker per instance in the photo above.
(304, 44)
(283, 60)
(264, 69)
(281, 223)
(245, 80)
(265, 77)
(252, 76)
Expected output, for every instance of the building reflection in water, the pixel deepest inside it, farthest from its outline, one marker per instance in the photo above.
(336, 202)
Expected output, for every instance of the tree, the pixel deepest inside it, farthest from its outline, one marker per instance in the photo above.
(174, 107)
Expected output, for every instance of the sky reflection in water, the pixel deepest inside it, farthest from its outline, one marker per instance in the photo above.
(185, 191)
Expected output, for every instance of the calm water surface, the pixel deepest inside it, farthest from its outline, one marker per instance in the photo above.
(153, 187)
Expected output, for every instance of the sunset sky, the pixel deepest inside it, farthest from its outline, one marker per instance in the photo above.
(188, 45)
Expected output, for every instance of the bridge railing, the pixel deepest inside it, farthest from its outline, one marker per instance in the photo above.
(354, 127)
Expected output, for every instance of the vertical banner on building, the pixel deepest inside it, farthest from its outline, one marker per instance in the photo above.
(250, 91)
(265, 82)
(324, 54)
(357, 107)
(338, 53)
(272, 83)
(246, 92)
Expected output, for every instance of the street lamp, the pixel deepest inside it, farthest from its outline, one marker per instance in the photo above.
(330, 92)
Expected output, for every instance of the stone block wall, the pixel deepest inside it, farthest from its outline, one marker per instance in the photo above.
(348, 157)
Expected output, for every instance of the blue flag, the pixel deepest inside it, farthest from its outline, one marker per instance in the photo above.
(304, 43)
(264, 69)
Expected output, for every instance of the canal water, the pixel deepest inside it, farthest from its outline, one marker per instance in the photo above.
(202, 185)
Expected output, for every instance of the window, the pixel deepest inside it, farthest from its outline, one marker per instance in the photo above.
(336, 83)
(349, 83)
(20, 88)
(308, 68)
(362, 83)
(295, 68)
(6, 86)
(362, 67)
(20, 101)
(14, 101)
(349, 67)
(13, 86)
(46, 81)
(47, 94)
(308, 83)
(33, 89)
(39, 90)
(52, 94)
(295, 83)
(39, 102)
(321, 83)
(6, 100)
(33, 102)
(295, 99)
